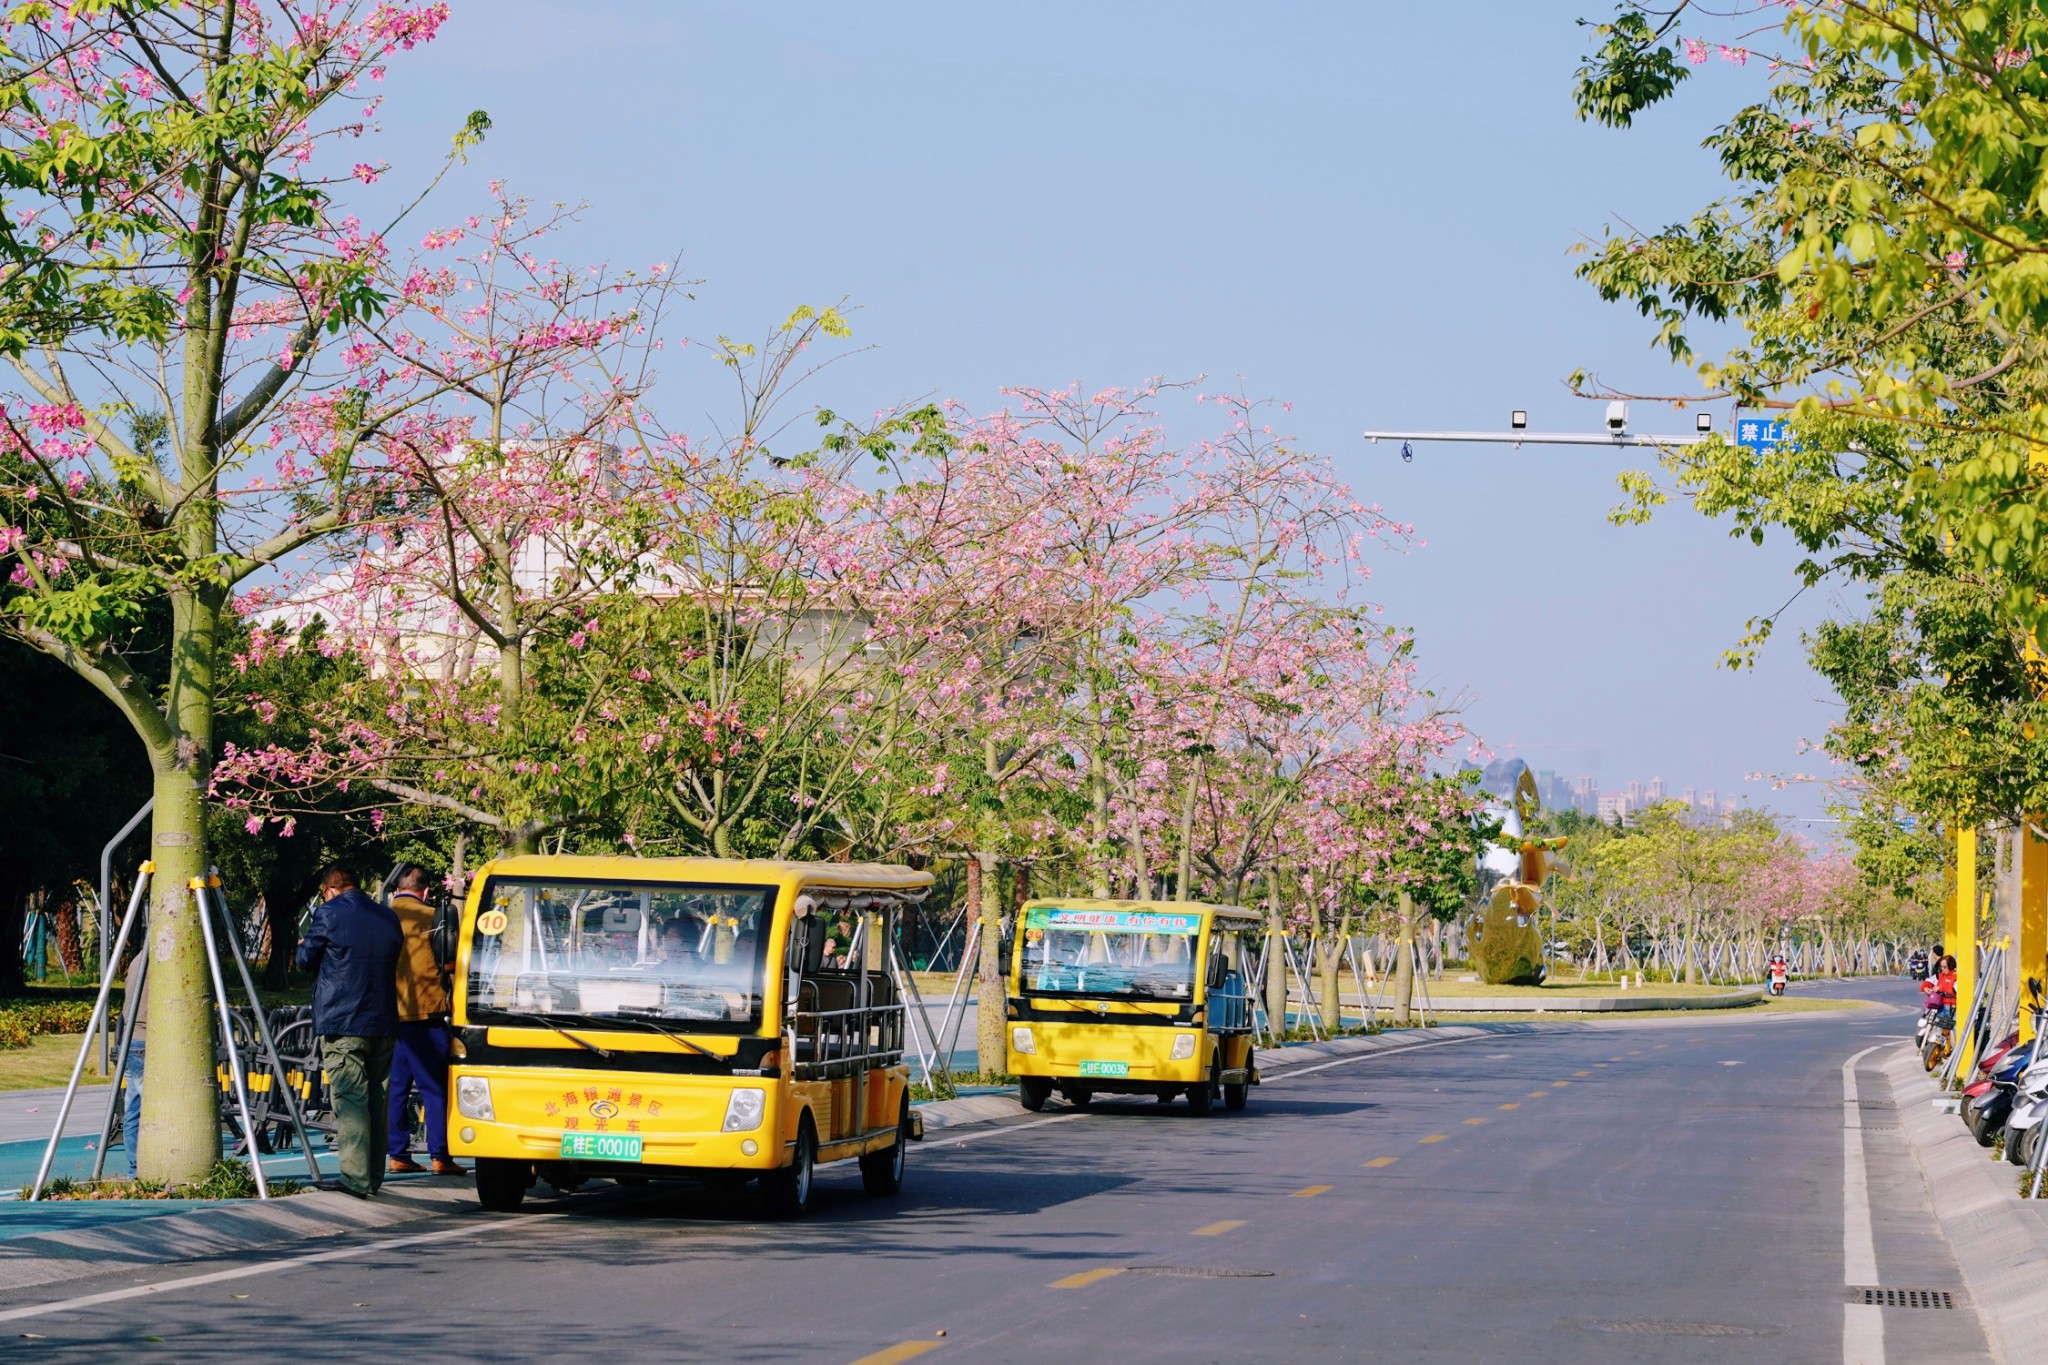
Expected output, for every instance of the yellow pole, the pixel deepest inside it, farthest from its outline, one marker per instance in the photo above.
(1962, 940)
(2033, 958)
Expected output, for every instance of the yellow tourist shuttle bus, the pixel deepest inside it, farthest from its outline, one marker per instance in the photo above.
(1131, 998)
(719, 1020)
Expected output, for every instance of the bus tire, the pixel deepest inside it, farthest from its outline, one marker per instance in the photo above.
(1080, 1096)
(501, 1184)
(881, 1173)
(788, 1191)
(1235, 1095)
(1033, 1092)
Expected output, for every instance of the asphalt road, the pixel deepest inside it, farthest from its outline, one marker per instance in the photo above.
(1667, 1192)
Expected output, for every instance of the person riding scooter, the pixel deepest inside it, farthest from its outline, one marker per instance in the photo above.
(1777, 972)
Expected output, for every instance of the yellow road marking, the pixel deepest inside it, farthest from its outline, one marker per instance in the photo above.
(1582, 1073)
(1474, 1123)
(1436, 1137)
(1311, 1192)
(1218, 1229)
(1538, 1094)
(1556, 1083)
(902, 1350)
(1383, 1161)
(1601, 1064)
(1082, 1279)
(1511, 1106)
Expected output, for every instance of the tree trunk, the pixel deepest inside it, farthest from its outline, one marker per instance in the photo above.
(180, 1138)
(282, 899)
(1328, 960)
(983, 884)
(1404, 963)
(64, 923)
(1276, 962)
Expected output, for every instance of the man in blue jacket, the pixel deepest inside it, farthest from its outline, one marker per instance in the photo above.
(352, 949)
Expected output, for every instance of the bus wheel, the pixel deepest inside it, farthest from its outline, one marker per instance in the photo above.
(788, 1191)
(501, 1184)
(1202, 1095)
(1235, 1095)
(1033, 1092)
(882, 1172)
(1080, 1096)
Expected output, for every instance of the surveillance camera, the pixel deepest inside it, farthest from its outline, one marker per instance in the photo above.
(1617, 417)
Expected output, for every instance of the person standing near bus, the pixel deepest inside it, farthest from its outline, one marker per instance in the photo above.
(352, 948)
(421, 1056)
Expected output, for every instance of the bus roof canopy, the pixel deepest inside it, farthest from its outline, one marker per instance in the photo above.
(719, 871)
(1234, 915)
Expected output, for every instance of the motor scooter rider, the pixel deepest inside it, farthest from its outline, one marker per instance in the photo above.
(1778, 970)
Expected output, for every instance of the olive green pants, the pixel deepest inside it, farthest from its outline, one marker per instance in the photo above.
(358, 1070)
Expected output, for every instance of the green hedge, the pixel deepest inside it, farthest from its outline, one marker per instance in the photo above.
(21, 1020)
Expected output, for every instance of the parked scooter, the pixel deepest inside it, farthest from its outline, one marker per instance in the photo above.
(1987, 1101)
(2029, 1104)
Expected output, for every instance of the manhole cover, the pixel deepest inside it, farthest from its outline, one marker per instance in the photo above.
(1202, 1272)
(1665, 1327)
(1878, 1297)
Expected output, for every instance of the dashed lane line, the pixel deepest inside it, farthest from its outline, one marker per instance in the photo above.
(1083, 1278)
(1217, 1229)
(1311, 1191)
(901, 1351)
(1383, 1161)
(1435, 1137)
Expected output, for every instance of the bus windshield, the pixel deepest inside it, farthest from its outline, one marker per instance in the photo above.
(1126, 954)
(597, 950)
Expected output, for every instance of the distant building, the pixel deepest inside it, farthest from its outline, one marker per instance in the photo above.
(1612, 806)
(1691, 797)
(1655, 792)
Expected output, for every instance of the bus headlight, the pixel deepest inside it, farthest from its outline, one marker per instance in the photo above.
(744, 1108)
(473, 1099)
(1022, 1041)
(1183, 1047)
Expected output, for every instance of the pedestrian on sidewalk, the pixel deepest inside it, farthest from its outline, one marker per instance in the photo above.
(421, 1057)
(134, 1000)
(352, 947)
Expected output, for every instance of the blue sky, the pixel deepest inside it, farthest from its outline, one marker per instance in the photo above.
(1363, 208)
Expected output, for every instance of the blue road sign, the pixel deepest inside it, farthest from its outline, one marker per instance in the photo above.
(1760, 433)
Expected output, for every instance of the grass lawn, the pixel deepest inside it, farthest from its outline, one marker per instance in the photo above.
(46, 1061)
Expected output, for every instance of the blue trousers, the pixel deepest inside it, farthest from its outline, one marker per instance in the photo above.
(420, 1060)
(131, 1117)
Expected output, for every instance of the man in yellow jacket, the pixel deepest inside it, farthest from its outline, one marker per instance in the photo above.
(421, 1058)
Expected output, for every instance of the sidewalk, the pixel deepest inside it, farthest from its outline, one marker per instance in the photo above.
(1999, 1240)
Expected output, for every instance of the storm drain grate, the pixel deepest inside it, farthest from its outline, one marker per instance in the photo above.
(1902, 1298)
(1201, 1272)
(1666, 1327)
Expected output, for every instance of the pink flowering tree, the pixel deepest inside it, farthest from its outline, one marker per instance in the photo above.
(179, 285)
(516, 516)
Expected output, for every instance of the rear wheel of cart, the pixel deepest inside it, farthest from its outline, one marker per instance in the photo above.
(1033, 1092)
(882, 1172)
(1236, 1093)
(501, 1184)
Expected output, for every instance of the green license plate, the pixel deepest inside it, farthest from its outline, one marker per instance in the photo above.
(600, 1147)
(1105, 1068)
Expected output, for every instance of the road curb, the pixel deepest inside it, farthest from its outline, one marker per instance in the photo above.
(2000, 1241)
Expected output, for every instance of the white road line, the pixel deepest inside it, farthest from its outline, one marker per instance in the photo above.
(1862, 1324)
(1294, 1071)
(243, 1272)
(938, 1139)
